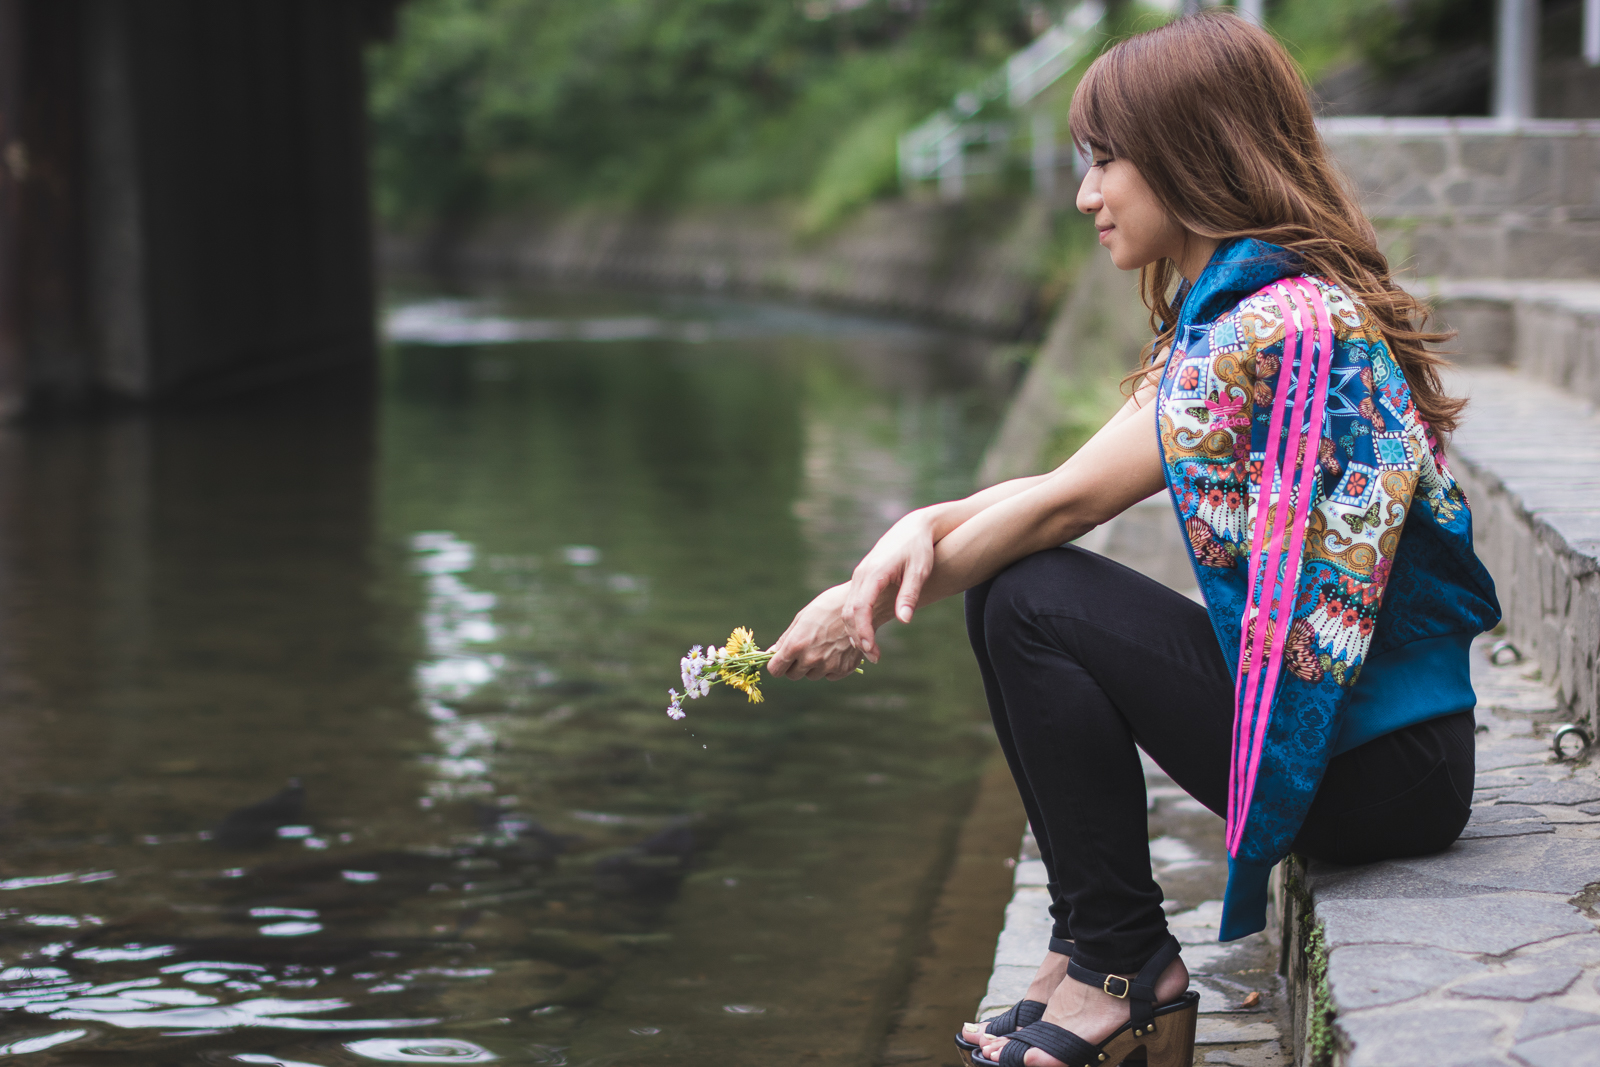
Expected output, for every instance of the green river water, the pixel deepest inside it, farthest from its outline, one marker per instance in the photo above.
(449, 608)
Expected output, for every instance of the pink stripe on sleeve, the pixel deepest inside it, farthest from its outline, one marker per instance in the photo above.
(1246, 686)
(1287, 587)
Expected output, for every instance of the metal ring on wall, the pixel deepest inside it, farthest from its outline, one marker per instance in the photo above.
(1504, 654)
(1560, 741)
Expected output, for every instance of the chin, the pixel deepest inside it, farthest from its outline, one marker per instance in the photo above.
(1123, 259)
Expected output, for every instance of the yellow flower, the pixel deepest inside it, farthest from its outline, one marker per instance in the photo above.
(746, 678)
(748, 684)
(741, 642)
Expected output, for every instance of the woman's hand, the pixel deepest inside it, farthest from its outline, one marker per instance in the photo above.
(900, 561)
(816, 644)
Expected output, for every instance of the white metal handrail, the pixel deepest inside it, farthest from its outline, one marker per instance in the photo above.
(936, 148)
(1041, 64)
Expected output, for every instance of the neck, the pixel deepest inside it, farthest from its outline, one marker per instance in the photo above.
(1197, 252)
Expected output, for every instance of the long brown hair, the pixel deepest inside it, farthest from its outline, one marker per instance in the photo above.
(1213, 113)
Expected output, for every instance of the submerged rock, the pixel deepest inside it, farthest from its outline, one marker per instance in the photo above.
(256, 825)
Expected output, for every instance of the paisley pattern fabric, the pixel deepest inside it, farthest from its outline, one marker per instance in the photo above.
(1323, 524)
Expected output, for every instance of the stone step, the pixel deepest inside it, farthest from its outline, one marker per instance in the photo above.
(1528, 455)
(1549, 331)
(1484, 954)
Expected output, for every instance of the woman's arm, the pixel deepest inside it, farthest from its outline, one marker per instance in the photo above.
(945, 517)
(1120, 466)
(819, 644)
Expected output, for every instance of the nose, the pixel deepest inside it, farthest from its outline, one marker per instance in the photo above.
(1089, 199)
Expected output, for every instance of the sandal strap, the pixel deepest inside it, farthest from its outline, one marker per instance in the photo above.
(1139, 991)
(1025, 1012)
(1020, 1014)
(1051, 1039)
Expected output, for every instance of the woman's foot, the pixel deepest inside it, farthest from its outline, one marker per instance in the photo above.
(1091, 1013)
(1045, 980)
(1048, 978)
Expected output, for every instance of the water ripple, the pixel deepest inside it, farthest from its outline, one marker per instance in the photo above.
(421, 1050)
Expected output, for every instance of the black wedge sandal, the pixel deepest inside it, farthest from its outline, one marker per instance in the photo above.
(1023, 1013)
(1164, 1034)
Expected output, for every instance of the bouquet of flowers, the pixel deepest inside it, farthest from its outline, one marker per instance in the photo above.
(738, 663)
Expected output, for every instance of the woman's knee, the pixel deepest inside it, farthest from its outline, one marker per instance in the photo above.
(976, 603)
(1045, 579)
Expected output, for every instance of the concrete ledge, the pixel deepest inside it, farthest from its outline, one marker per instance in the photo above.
(1438, 126)
(1549, 331)
(1528, 456)
(1485, 954)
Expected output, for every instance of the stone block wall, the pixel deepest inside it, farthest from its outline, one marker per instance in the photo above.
(1549, 588)
(1475, 198)
(1528, 455)
(1559, 343)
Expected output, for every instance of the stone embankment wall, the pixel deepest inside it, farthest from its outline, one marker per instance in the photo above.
(1094, 339)
(976, 265)
(1476, 198)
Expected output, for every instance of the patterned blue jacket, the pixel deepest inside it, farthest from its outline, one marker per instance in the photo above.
(1324, 528)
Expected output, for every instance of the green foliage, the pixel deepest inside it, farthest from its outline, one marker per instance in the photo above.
(485, 106)
(861, 167)
(1320, 1042)
(1389, 37)
(488, 105)
(1318, 33)
(1393, 37)
(1311, 969)
(1084, 406)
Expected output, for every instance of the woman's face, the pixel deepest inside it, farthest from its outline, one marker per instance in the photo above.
(1133, 225)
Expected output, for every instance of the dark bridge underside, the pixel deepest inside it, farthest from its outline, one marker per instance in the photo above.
(183, 195)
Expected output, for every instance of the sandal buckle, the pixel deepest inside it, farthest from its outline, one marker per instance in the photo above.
(1126, 986)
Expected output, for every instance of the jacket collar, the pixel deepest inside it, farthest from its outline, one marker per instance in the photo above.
(1239, 267)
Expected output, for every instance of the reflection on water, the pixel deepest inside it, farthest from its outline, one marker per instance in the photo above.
(332, 726)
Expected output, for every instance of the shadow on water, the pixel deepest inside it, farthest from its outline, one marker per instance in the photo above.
(333, 723)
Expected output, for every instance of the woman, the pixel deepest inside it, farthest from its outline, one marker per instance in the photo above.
(1320, 702)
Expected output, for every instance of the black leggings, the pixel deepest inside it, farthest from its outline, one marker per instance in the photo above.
(1082, 659)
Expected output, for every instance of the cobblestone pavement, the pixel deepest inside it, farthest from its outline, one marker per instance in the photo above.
(1487, 953)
